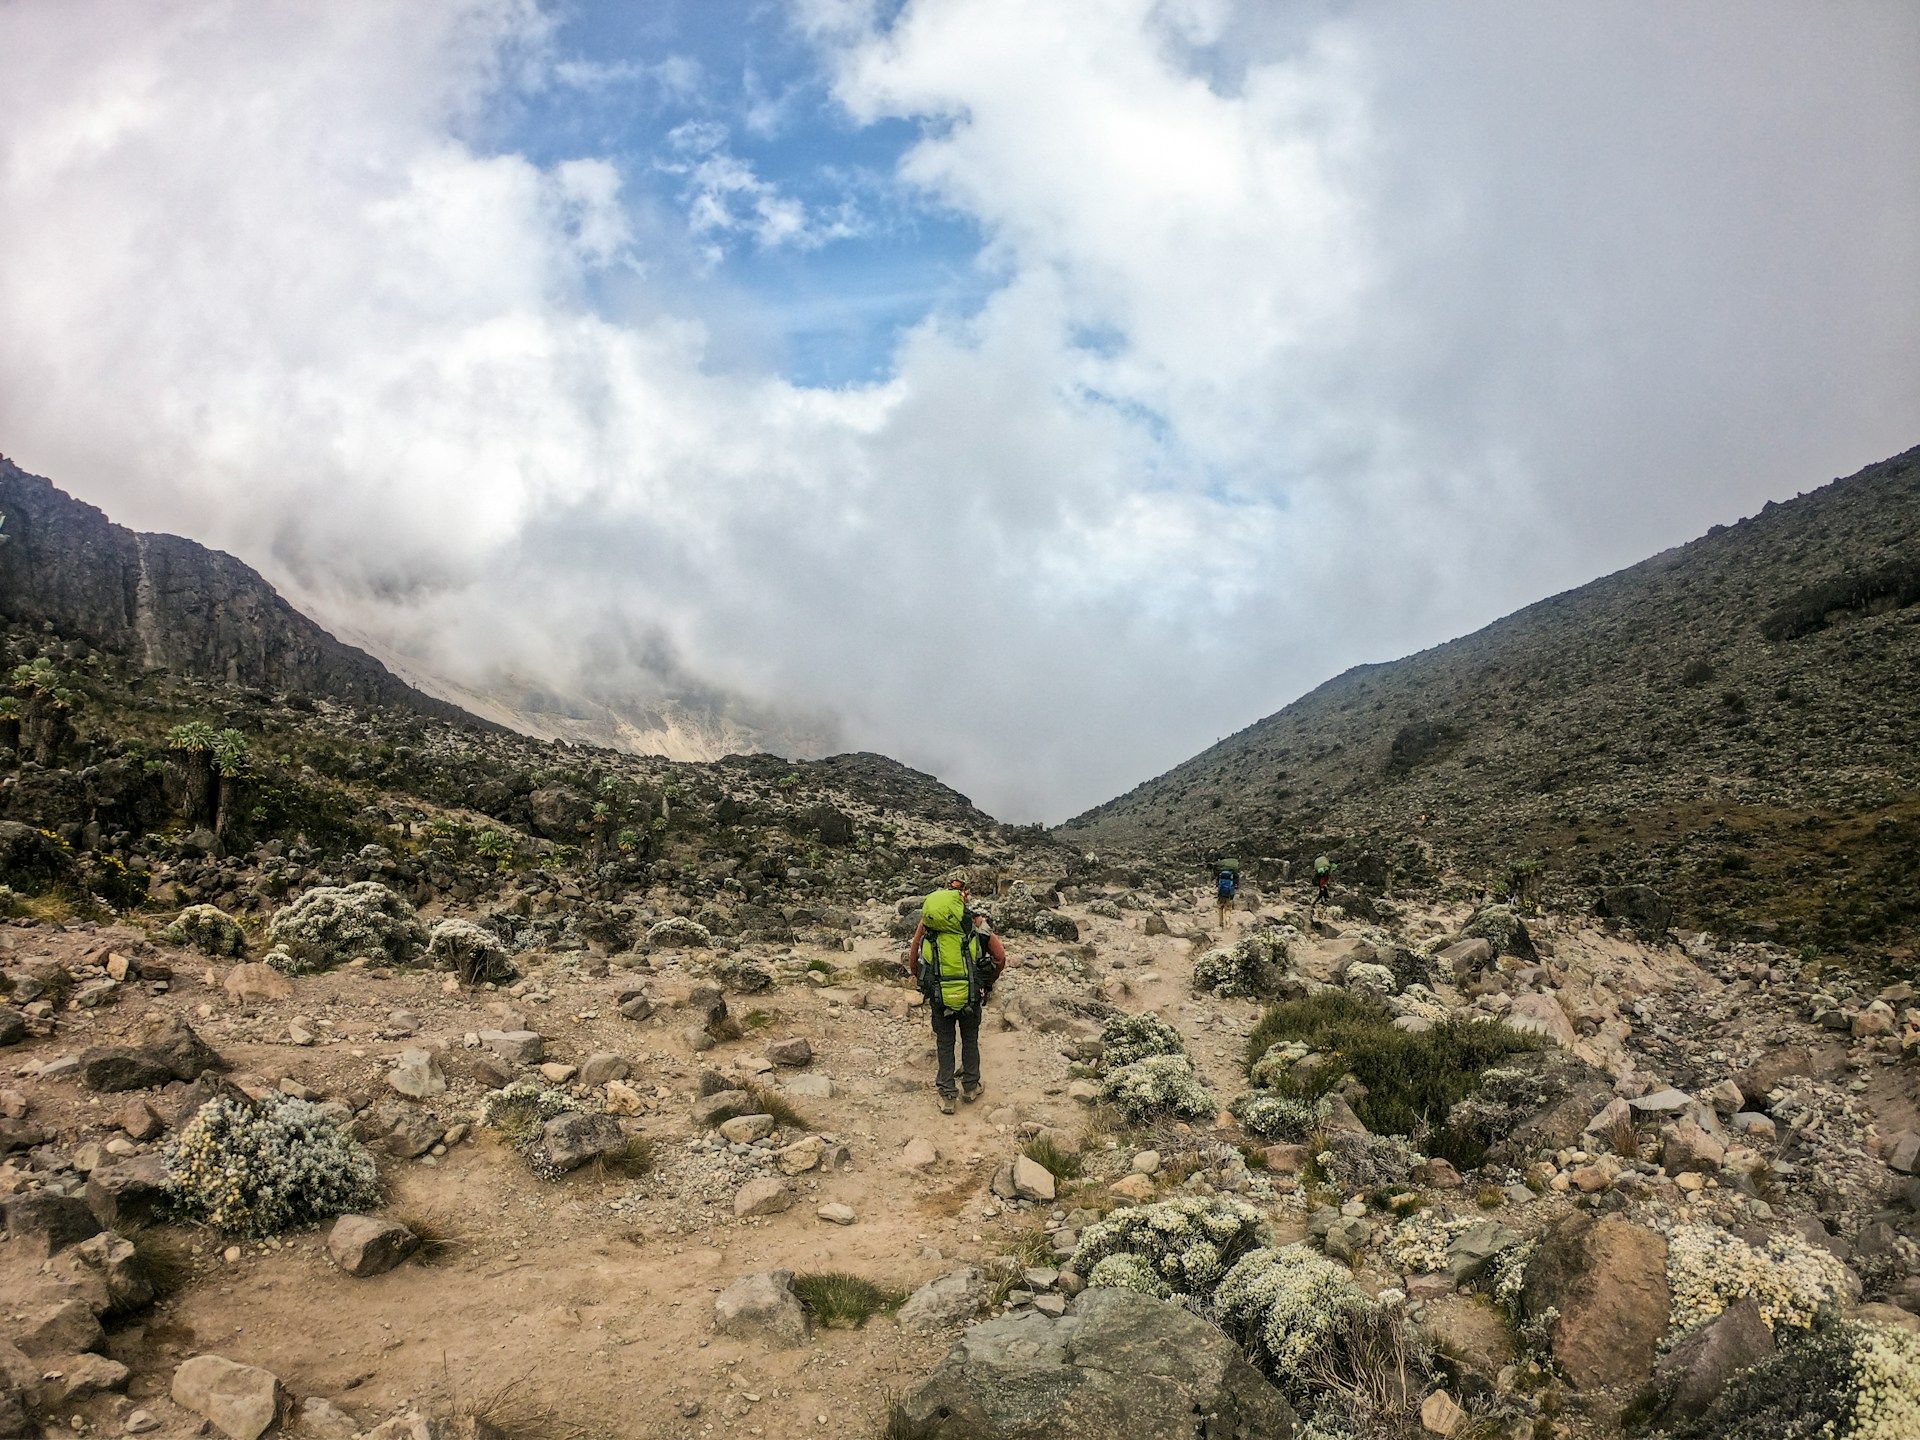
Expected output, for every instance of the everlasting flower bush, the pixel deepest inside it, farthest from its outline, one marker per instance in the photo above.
(1275, 1117)
(1841, 1380)
(1419, 1243)
(1277, 1062)
(1128, 1038)
(1250, 968)
(1301, 1317)
(1355, 1160)
(1709, 1269)
(1377, 979)
(1185, 1244)
(332, 924)
(207, 928)
(1128, 1272)
(260, 1168)
(476, 954)
(1159, 1084)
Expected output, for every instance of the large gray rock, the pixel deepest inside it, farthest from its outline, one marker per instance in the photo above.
(765, 1195)
(242, 1401)
(43, 1224)
(364, 1245)
(1117, 1364)
(945, 1302)
(177, 1045)
(569, 1141)
(126, 1194)
(106, 1272)
(763, 1306)
(416, 1075)
(114, 1069)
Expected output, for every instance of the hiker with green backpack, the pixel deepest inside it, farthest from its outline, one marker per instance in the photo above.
(957, 960)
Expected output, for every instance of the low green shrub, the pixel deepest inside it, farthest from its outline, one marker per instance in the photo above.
(838, 1301)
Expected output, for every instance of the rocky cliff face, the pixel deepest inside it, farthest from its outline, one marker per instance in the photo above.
(170, 604)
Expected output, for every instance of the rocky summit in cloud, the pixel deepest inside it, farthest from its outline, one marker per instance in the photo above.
(1033, 392)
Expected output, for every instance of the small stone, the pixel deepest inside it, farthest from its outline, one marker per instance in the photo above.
(1133, 1186)
(246, 984)
(242, 1401)
(1440, 1414)
(1031, 1179)
(1147, 1162)
(140, 1422)
(745, 1129)
(793, 1052)
(602, 1066)
(516, 1047)
(364, 1245)
(834, 1213)
(417, 1075)
(918, 1154)
(556, 1073)
(761, 1305)
(767, 1195)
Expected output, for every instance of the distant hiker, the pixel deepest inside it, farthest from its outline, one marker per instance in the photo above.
(957, 960)
(1226, 884)
(1323, 869)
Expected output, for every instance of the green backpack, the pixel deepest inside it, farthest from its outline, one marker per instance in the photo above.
(949, 952)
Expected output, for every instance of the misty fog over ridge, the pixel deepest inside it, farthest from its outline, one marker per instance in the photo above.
(1248, 348)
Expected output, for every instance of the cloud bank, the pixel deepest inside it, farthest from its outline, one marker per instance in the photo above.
(1311, 335)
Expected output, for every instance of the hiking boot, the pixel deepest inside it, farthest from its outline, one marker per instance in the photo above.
(946, 1105)
(972, 1093)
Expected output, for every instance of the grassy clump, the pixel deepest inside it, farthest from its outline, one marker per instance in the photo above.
(768, 1101)
(839, 1301)
(1061, 1164)
(631, 1160)
(1412, 1080)
(166, 1259)
(438, 1240)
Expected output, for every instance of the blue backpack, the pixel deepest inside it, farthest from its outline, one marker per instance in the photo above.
(1227, 884)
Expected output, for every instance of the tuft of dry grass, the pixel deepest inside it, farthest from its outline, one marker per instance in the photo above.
(1063, 1165)
(166, 1258)
(839, 1301)
(439, 1241)
(770, 1102)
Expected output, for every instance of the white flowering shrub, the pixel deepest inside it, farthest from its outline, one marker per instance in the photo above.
(1421, 1003)
(332, 924)
(1418, 1244)
(1375, 979)
(1709, 1269)
(1509, 1276)
(1250, 968)
(1276, 1117)
(260, 1168)
(1128, 1272)
(207, 928)
(1294, 1311)
(1159, 1084)
(1185, 1244)
(1842, 1380)
(473, 952)
(1276, 1062)
(1127, 1038)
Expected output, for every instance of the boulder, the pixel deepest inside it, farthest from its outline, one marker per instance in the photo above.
(723, 1105)
(242, 1401)
(413, 1134)
(1537, 1014)
(13, 1026)
(945, 1302)
(114, 1069)
(1599, 1287)
(1692, 1375)
(515, 1047)
(126, 1194)
(1440, 1414)
(1685, 1146)
(762, 1306)
(43, 1224)
(793, 1052)
(745, 1129)
(66, 1327)
(918, 1154)
(1031, 1179)
(416, 1075)
(571, 1140)
(766, 1195)
(175, 1044)
(1118, 1363)
(602, 1066)
(246, 984)
(364, 1245)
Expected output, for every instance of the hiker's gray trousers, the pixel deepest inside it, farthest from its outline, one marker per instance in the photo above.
(966, 1026)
